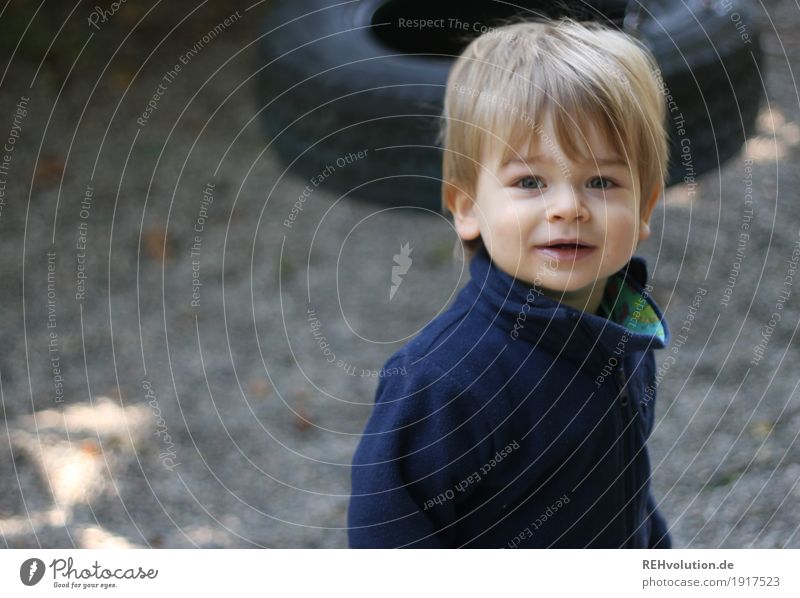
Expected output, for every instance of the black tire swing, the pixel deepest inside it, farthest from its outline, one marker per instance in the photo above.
(354, 90)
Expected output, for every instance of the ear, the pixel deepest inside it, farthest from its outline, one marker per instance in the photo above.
(462, 206)
(647, 212)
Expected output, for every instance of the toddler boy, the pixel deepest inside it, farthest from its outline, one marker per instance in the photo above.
(522, 418)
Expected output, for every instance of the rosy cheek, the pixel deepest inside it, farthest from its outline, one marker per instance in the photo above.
(613, 248)
(503, 213)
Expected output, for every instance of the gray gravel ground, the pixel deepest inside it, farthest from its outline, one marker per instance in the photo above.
(223, 424)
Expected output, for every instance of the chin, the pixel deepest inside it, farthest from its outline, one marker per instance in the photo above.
(571, 287)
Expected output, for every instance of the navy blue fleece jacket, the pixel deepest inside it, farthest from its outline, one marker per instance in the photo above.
(513, 420)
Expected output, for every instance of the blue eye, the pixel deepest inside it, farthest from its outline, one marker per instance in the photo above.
(600, 182)
(531, 182)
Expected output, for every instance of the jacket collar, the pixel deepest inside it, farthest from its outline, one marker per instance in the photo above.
(528, 314)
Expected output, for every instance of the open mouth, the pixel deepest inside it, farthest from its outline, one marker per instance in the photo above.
(566, 250)
(566, 246)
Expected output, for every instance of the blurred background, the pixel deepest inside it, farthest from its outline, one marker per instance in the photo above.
(191, 324)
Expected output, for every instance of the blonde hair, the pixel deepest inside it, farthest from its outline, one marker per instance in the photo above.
(508, 81)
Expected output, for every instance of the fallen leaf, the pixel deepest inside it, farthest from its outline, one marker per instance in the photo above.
(260, 387)
(50, 169)
(90, 447)
(154, 245)
(302, 420)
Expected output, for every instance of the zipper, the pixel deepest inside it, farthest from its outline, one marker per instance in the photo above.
(622, 382)
(624, 401)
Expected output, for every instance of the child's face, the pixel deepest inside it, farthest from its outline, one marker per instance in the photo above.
(564, 226)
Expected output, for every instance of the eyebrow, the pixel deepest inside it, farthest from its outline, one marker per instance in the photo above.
(615, 161)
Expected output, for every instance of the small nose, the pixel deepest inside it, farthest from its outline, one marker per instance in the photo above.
(567, 204)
